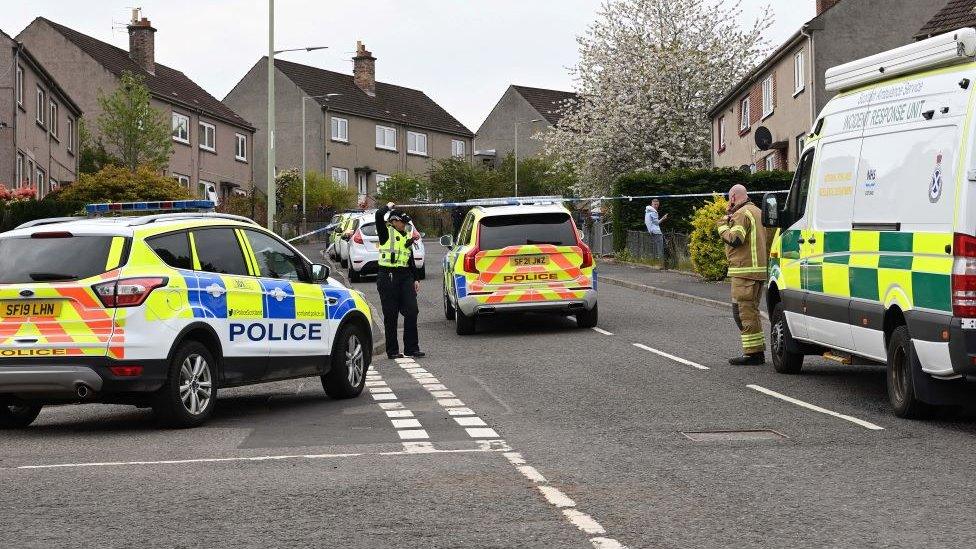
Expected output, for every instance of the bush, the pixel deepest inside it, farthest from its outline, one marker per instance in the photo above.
(118, 184)
(17, 209)
(706, 247)
(401, 188)
(630, 214)
(253, 205)
(323, 195)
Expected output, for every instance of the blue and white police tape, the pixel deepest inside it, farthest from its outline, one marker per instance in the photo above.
(526, 200)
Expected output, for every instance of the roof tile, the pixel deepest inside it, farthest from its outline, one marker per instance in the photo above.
(551, 104)
(956, 14)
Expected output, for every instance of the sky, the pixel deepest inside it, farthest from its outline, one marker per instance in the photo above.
(462, 53)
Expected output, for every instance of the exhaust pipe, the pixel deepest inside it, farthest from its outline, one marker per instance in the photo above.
(83, 390)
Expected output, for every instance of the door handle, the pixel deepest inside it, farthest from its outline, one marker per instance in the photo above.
(802, 240)
(812, 240)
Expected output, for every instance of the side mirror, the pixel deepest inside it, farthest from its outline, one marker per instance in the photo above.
(770, 211)
(447, 241)
(320, 273)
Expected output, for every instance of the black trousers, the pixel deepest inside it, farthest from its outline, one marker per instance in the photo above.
(398, 297)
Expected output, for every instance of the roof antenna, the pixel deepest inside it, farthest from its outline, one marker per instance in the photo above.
(120, 26)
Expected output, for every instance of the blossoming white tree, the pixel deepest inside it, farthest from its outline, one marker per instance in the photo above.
(648, 72)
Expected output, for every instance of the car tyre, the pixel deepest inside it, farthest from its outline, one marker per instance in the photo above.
(463, 324)
(343, 263)
(353, 274)
(189, 396)
(351, 356)
(780, 340)
(449, 311)
(588, 319)
(902, 366)
(17, 415)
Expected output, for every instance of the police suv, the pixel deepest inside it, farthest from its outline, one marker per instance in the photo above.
(875, 257)
(162, 310)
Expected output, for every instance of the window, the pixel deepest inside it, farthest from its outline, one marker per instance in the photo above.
(417, 143)
(208, 137)
(362, 183)
(380, 179)
(71, 135)
(457, 148)
(772, 162)
(41, 105)
(182, 180)
(20, 85)
(173, 249)
(39, 179)
(801, 141)
(206, 190)
(53, 183)
(501, 231)
(53, 259)
(275, 260)
(796, 203)
(744, 114)
(181, 128)
(340, 130)
(240, 152)
(29, 174)
(721, 133)
(798, 73)
(340, 175)
(386, 138)
(53, 122)
(767, 96)
(219, 252)
(19, 181)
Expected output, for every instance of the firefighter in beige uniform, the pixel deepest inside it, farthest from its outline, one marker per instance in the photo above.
(745, 247)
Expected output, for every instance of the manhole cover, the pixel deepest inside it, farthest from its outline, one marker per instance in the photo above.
(733, 436)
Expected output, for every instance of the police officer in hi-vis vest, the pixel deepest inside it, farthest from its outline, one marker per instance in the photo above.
(397, 280)
(745, 247)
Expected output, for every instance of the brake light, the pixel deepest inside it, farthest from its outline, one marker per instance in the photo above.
(964, 276)
(587, 256)
(358, 237)
(126, 371)
(128, 292)
(470, 260)
(52, 234)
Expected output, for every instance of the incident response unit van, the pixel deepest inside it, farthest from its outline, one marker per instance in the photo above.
(875, 257)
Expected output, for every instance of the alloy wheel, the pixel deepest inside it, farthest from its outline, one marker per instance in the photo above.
(354, 360)
(196, 384)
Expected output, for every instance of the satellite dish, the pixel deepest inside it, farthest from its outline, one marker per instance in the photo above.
(764, 138)
(746, 168)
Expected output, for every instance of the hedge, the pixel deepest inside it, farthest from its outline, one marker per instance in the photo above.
(629, 214)
(16, 213)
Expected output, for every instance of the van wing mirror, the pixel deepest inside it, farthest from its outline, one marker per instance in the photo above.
(447, 241)
(320, 273)
(770, 211)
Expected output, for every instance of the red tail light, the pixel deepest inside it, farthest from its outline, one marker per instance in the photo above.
(587, 256)
(126, 371)
(358, 237)
(470, 260)
(128, 292)
(964, 276)
(53, 234)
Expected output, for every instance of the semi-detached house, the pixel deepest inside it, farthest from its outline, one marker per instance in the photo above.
(212, 145)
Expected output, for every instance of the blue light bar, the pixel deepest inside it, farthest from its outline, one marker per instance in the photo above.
(141, 207)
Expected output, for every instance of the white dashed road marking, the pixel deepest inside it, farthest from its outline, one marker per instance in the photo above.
(602, 331)
(670, 356)
(808, 406)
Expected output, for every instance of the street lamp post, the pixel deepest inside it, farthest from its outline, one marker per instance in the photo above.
(326, 96)
(533, 121)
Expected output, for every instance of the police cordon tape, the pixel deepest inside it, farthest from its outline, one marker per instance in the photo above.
(527, 200)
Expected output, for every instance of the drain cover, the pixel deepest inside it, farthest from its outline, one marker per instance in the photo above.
(733, 436)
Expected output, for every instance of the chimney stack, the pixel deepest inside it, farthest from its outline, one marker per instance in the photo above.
(141, 42)
(364, 69)
(824, 5)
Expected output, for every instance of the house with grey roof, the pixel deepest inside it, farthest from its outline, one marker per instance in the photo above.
(520, 114)
(212, 145)
(38, 124)
(956, 14)
(357, 130)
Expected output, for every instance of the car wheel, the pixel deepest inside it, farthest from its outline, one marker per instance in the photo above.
(343, 263)
(351, 356)
(588, 319)
(353, 274)
(902, 364)
(449, 312)
(188, 397)
(463, 324)
(780, 341)
(17, 415)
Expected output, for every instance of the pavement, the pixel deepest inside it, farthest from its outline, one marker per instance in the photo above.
(530, 433)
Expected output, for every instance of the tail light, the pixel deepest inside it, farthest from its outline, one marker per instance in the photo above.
(587, 256)
(126, 371)
(128, 292)
(964, 276)
(358, 237)
(470, 260)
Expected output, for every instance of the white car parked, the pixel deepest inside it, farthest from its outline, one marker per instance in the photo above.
(362, 251)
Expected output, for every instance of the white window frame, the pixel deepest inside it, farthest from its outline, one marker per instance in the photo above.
(38, 177)
(362, 183)
(801, 143)
(41, 105)
(799, 73)
(19, 181)
(30, 172)
(71, 135)
(340, 175)
(182, 180)
(340, 129)
(240, 147)
(721, 133)
(208, 136)
(458, 148)
(53, 122)
(417, 138)
(202, 188)
(772, 162)
(381, 178)
(385, 132)
(745, 114)
(768, 99)
(20, 86)
(177, 117)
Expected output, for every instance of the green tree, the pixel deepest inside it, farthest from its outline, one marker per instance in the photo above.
(118, 184)
(455, 180)
(402, 188)
(135, 132)
(93, 156)
(706, 247)
(253, 205)
(323, 196)
(537, 176)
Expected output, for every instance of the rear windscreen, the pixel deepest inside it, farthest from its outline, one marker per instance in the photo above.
(52, 259)
(368, 230)
(518, 230)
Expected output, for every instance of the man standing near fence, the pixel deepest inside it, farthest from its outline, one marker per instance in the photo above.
(745, 248)
(653, 223)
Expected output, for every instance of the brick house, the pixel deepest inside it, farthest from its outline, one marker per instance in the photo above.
(39, 124)
(533, 109)
(785, 92)
(212, 145)
(358, 131)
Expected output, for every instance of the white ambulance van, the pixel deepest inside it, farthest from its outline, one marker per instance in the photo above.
(874, 260)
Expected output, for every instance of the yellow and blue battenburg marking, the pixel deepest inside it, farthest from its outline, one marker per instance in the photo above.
(208, 296)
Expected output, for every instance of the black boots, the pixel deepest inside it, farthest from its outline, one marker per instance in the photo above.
(752, 359)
